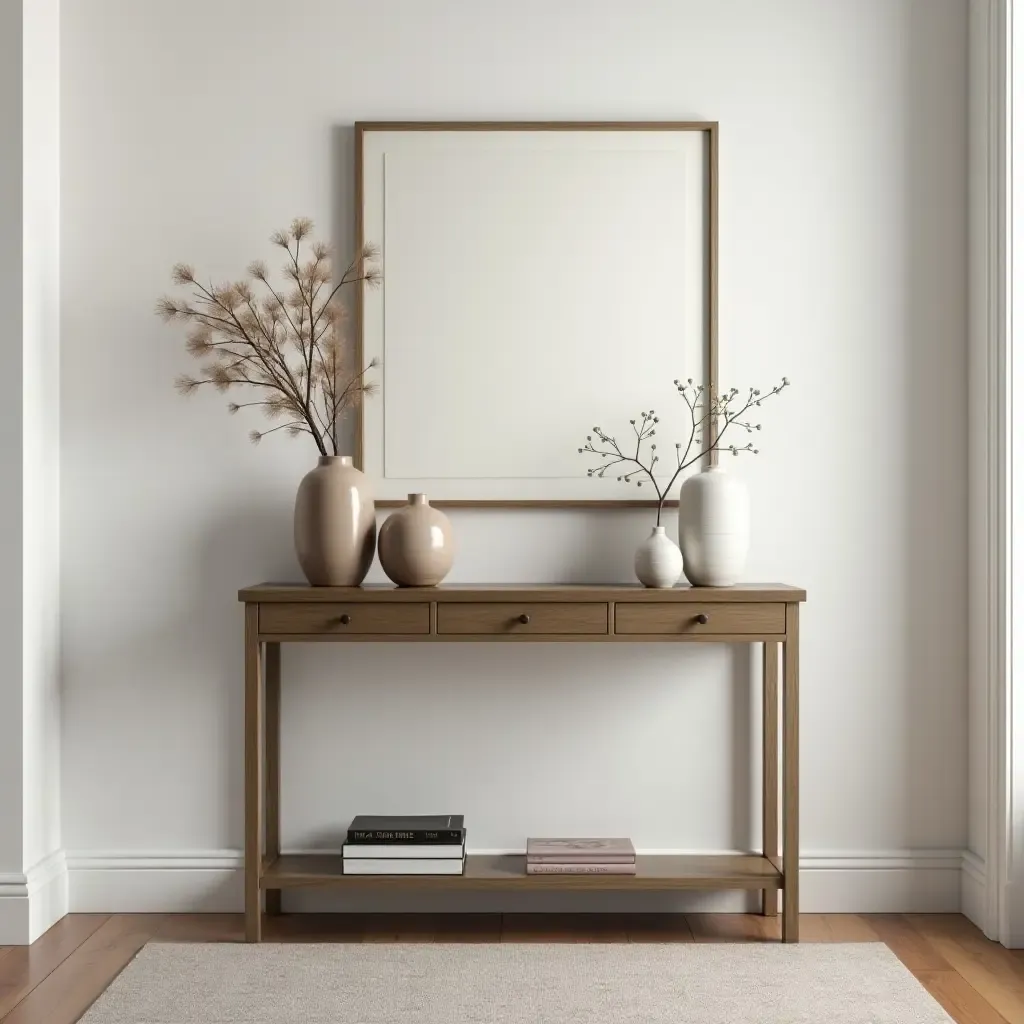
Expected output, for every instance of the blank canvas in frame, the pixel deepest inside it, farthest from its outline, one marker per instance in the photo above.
(538, 280)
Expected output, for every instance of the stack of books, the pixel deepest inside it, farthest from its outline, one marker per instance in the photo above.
(419, 845)
(580, 857)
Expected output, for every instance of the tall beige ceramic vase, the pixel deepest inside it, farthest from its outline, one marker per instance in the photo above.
(335, 528)
(416, 545)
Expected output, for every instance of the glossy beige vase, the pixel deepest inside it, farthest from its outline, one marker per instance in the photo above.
(335, 528)
(416, 544)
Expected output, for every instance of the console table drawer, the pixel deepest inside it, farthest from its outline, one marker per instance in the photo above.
(360, 619)
(725, 619)
(528, 619)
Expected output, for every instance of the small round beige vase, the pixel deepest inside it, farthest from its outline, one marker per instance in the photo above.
(416, 545)
(335, 527)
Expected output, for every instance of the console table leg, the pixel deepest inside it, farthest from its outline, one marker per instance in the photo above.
(272, 689)
(790, 778)
(253, 794)
(770, 770)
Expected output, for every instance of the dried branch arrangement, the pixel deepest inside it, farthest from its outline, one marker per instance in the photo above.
(708, 419)
(288, 342)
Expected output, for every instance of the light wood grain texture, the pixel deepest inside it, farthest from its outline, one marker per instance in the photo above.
(712, 275)
(733, 928)
(770, 766)
(657, 928)
(202, 928)
(708, 128)
(467, 927)
(568, 928)
(272, 761)
(564, 503)
(401, 928)
(790, 777)
(346, 619)
(837, 928)
(253, 774)
(317, 927)
(697, 619)
(995, 972)
(24, 967)
(658, 872)
(359, 306)
(522, 619)
(910, 944)
(959, 999)
(65, 994)
(302, 593)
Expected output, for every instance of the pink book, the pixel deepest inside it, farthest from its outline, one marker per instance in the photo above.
(580, 851)
(578, 868)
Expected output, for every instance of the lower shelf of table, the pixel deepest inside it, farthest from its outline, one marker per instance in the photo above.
(660, 872)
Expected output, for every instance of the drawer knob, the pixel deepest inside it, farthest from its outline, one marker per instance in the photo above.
(703, 619)
(345, 619)
(524, 619)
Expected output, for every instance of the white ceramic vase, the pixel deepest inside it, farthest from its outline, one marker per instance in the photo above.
(658, 562)
(714, 527)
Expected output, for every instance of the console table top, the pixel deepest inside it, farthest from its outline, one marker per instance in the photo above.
(302, 593)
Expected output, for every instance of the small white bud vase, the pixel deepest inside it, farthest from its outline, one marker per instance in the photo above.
(714, 527)
(658, 562)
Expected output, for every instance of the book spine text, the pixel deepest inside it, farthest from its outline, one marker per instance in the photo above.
(580, 869)
(387, 836)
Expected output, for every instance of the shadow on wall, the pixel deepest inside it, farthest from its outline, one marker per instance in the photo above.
(343, 195)
(227, 543)
(931, 427)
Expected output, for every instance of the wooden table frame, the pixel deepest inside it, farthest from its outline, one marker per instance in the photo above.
(758, 613)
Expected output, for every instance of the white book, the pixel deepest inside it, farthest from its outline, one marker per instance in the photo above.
(402, 866)
(398, 851)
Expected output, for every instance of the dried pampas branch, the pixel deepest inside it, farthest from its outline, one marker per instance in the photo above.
(287, 342)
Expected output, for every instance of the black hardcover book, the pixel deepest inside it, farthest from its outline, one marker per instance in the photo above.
(417, 828)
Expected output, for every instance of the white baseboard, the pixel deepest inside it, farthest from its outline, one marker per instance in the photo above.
(32, 902)
(973, 886)
(919, 881)
(186, 881)
(892, 882)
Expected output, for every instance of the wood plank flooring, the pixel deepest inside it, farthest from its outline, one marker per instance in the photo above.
(58, 978)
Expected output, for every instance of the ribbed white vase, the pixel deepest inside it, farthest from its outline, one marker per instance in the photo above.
(714, 528)
(658, 562)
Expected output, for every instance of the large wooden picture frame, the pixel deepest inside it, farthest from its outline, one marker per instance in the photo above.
(540, 278)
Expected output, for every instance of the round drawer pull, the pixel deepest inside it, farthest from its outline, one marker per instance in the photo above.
(703, 619)
(345, 619)
(524, 619)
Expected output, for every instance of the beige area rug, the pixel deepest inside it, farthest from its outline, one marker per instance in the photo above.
(516, 984)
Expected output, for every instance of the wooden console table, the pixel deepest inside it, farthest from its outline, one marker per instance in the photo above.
(758, 613)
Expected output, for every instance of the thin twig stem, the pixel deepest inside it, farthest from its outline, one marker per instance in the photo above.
(717, 412)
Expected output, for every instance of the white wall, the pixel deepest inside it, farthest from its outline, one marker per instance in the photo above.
(41, 499)
(193, 129)
(33, 889)
(11, 178)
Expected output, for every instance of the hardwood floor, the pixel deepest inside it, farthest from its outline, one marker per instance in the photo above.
(55, 980)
